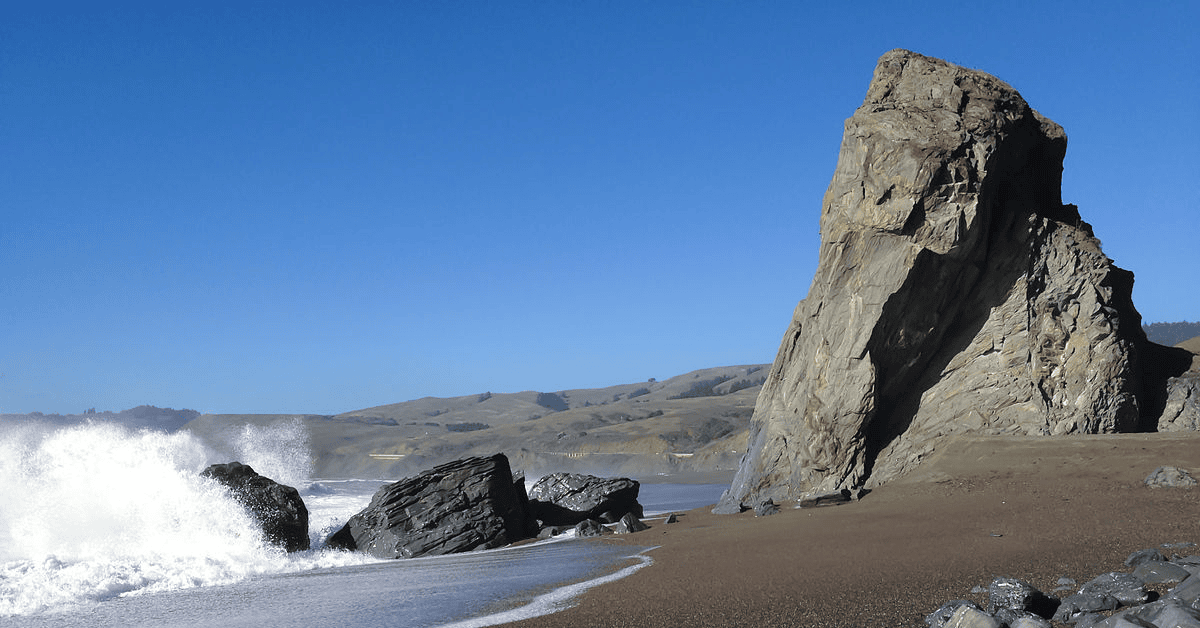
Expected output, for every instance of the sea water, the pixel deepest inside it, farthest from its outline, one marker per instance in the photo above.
(105, 526)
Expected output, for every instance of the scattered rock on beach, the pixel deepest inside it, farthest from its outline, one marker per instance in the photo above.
(766, 508)
(1170, 477)
(1110, 600)
(590, 527)
(568, 498)
(464, 505)
(277, 508)
(629, 524)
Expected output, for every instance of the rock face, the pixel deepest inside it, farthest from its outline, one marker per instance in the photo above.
(955, 292)
(277, 508)
(460, 506)
(568, 498)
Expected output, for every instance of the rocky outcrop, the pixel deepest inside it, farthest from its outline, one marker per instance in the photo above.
(955, 292)
(460, 506)
(1015, 603)
(277, 508)
(569, 498)
(1182, 410)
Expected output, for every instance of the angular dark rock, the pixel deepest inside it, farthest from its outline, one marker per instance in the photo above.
(1081, 603)
(1160, 613)
(1158, 572)
(1186, 592)
(955, 293)
(1126, 588)
(460, 506)
(629, 524)
(277, 508)
(590, 527)
(552, 531)
(568, 498)
(1143, 556)
(1017, 595)
(766, 508)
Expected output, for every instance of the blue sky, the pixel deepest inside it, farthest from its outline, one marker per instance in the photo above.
(320, 207)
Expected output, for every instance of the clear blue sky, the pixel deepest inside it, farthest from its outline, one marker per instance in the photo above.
(301, 207)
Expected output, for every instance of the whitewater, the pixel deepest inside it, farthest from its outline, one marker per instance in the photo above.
(101, 525)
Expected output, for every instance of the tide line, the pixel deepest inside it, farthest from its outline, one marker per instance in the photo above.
(557, 600)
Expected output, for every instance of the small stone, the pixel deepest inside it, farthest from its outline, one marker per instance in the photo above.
(1161, 613)
(1029, 621)
(630, 524)
(671, 518)
(1170, 477)
(1142, 556)
(938, 618)
(766, 508)
(1081, 603)
(968, 617)
(1014, 595)
(590, 527)
(1157, 572)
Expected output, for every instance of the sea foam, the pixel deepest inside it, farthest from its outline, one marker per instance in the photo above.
(96, 511)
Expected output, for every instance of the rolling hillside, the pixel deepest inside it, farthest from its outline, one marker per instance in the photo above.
(696, 422)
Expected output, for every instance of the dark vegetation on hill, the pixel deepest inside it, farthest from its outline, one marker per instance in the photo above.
(696, 422)
(166, 419)
(1171, 334)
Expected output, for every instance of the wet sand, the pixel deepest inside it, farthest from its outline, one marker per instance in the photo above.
(1030, 508)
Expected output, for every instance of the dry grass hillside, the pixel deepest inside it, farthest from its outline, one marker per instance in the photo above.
(1192, 345)
(693, 423)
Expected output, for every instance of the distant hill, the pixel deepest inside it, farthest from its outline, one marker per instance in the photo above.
(1192, 344)
(165, 419)
(696, 422)
(1171, 334)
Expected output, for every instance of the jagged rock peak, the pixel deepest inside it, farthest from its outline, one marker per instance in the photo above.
(955, 292)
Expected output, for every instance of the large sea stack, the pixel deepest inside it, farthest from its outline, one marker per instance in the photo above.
(955, 292)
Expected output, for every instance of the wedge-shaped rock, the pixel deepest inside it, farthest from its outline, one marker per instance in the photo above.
(460, 506)
(568, 498)
(278, 509)
(954, 292)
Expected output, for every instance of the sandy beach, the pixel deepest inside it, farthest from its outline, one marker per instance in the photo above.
(1031, 508)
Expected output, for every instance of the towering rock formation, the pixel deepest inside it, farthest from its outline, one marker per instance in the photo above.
(955, 292)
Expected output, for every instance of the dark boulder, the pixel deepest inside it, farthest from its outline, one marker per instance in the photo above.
(568, 498)
(277, 508)
(630, 524)
(1018, 597)
(590, 527)
(766, 508)
(465, 505)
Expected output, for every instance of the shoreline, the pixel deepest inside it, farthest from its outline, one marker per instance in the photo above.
(1034, 508)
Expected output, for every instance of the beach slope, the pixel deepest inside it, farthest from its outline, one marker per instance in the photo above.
(1025, 507)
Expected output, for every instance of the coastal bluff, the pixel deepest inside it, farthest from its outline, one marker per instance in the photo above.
(955, 293)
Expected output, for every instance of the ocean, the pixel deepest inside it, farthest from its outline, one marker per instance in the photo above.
(105, 526)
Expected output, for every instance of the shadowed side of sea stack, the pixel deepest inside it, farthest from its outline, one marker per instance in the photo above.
(955, 292)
